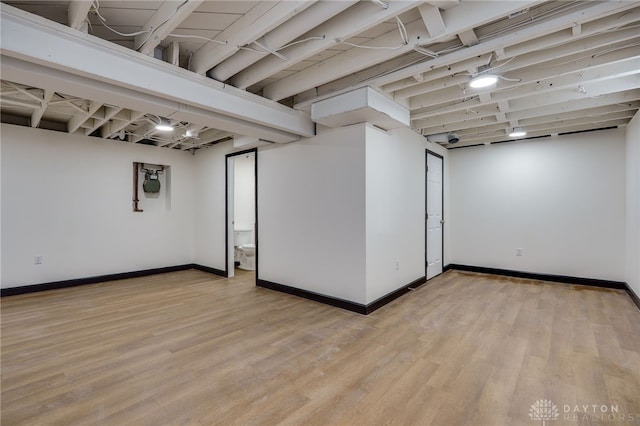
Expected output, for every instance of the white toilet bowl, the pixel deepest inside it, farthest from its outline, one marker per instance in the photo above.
(247, 257)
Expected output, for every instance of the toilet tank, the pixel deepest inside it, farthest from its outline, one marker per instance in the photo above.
(241, 237)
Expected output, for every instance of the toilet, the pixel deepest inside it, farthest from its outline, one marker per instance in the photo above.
(244, 250)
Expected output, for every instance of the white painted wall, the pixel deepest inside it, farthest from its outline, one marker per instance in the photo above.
(311, 207)
(633, 204)
(560, 199)
(68, 198)
(395, 210)
(1, 209)
(209, 205)
(244, 210)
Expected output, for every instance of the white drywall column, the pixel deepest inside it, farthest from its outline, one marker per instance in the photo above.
(210, 205)
(311, 209)
(395, 210)
(632, 156)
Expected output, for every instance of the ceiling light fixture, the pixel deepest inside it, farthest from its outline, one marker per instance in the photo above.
(484, 80)
(517, 132)
(164, 125)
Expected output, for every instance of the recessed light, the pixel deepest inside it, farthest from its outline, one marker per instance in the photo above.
(517, 132)
(484, 80)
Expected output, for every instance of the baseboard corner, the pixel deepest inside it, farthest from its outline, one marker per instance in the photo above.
(632, 294)
(210, 270)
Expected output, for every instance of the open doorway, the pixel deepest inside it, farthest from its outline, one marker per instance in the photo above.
(242, 211)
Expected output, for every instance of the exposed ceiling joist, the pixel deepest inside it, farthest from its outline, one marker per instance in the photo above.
(570, 105)
(195, 130)
(593, 23)
(525, 111)
(101, 117)
(21, 103)
(113, 127)
(77, 14)
(163, 22)
(536, 81)
(592, 89)
(143, 132)
(590, 13)
(615, 111)
(78, 120)
(468, 38)
(570, 91)
(25, 92)
(36, 116)
(280, 36)
(43, 53)
(558, 56)
(353, 21)
(562, 64)
(468, 126)
(410, 83)
(260, 20)
(487, 140)
(498, 128)
(462, 18)
(432, 20)
(173, 53)
(444, 4)
(205, 138)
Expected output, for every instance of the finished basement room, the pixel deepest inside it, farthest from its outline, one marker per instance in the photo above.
(327, 212)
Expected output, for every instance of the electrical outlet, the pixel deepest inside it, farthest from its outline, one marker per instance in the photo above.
(518, 252)
(37, 260)
(397, 265)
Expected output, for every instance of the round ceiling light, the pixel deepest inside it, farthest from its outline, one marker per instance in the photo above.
(484, 80)
(164, 126)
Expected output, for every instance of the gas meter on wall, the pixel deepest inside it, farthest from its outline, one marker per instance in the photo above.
(151, 182)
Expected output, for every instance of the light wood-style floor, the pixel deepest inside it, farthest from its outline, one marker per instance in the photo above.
(192, 348)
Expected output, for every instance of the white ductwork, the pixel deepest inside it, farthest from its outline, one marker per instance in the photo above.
(363, 105)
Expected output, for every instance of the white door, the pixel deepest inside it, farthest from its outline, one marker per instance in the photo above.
(434, 215)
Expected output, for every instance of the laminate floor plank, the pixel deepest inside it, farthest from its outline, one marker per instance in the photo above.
(190, 348)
